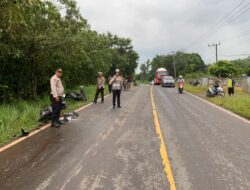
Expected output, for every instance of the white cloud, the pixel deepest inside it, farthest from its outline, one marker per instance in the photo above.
(160, 26)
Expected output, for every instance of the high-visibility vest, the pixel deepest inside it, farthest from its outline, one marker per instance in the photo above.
(230, 83)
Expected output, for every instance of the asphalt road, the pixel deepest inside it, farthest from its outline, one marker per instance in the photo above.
(108, 149)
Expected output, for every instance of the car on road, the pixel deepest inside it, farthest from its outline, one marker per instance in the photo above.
(168, 81)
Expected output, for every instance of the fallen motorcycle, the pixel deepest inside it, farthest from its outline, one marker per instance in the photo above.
(77, 96)
(46, 114)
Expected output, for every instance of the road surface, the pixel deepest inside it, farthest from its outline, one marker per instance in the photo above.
(207, 149)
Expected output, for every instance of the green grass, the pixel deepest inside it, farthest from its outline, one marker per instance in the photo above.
(239, 104)
(24, 114)
(143, 82)
(198, 90)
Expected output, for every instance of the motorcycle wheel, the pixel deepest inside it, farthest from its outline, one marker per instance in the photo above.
(209, 94)
(221, 95)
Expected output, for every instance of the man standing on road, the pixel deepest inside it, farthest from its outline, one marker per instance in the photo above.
(116, 83)
(56, 96)
(230, 85)
(100, 87)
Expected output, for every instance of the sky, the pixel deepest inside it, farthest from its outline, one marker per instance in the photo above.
(163, 26)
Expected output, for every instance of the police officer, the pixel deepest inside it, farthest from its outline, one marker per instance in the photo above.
(230, 85)
(116, 83)
(56, 96)
(100, 87)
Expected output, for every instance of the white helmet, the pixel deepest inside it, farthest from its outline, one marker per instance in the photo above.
(117, 70)
(180, 77)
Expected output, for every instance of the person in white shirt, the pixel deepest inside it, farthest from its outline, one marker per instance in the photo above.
(116, 83)
(56, 96)
(100, 87)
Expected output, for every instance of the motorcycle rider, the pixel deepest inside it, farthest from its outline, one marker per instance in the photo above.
(217, 84)
(180, 81)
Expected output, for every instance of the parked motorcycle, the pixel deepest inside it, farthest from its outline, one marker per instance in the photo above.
(212, 92)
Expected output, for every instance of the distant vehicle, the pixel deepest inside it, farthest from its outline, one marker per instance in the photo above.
(168, 81)
(159, 74)
(212, 92)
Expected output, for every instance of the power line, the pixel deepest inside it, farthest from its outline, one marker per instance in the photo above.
(236, 55)
(245, 33)
(238, 43)
(223, 21)
(226, 16)
(233, 17)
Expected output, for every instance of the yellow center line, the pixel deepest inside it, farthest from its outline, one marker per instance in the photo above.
(163, 149)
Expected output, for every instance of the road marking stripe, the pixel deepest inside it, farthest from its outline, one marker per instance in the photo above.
(41, 129)
(219, 107)
(163, 149)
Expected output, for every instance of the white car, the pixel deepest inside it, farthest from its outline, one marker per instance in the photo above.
(168, 81)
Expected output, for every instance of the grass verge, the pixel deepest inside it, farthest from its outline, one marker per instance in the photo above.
(143, 82)
(239, 104)
(24, 114)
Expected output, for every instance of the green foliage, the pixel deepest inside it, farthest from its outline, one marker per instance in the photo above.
(247, 72)
(243, 66)
(198, 90)
(240, 104)
(195, 75)
(38, 36)
(223, 69)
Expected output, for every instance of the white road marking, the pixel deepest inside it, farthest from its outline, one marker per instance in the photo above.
(45, 183)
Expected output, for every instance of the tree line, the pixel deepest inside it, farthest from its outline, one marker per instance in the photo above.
(191, 65)
(224, 68)
(185, 64)
(37, 36)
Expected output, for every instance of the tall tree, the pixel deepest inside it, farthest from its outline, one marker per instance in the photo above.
(36, 36)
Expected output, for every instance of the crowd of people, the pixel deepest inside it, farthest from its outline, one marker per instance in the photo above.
(116, 84)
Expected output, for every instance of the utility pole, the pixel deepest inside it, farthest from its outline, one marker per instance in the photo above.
(174, 68)
(216, 49)
(174, 62)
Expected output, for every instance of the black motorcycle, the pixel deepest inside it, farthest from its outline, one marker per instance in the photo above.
(46, 114)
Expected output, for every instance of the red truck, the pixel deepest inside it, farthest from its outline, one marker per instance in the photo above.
(159, 74)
